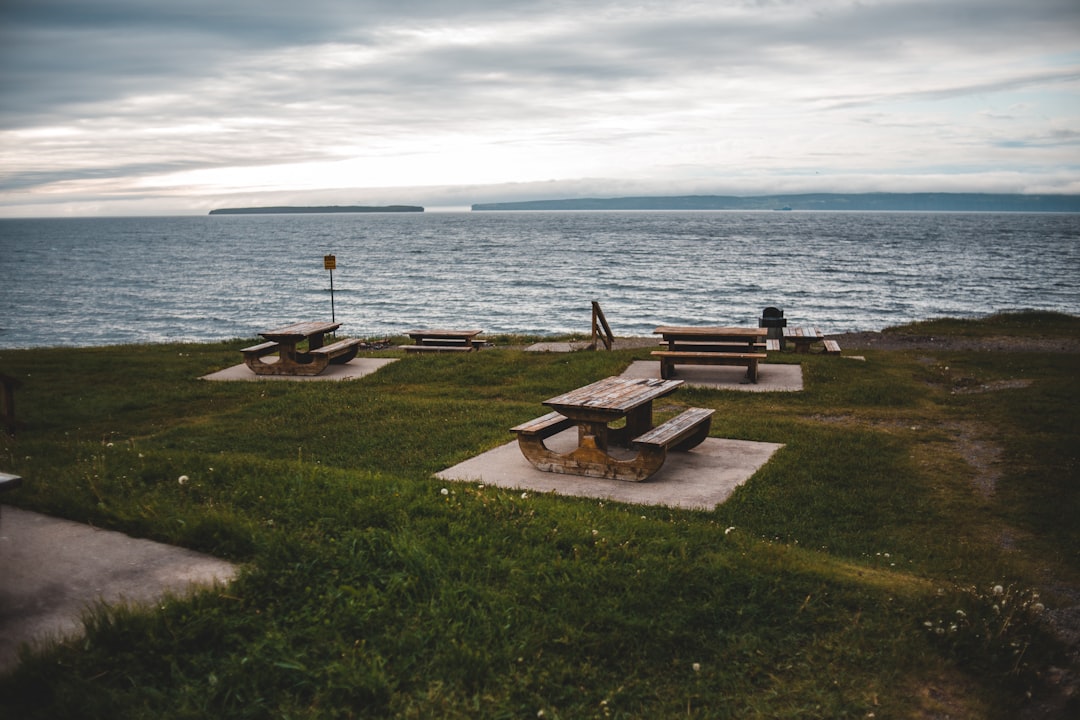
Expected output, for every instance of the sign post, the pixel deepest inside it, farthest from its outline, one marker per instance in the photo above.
(330, 263)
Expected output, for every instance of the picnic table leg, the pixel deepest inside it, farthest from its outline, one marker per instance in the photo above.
(589, 460)
(638, 422)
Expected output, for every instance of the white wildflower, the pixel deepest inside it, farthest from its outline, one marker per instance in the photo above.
(444, 491)
(729, 530)
(182, 479)
(998, 590)
(697, 667)
(525, 496)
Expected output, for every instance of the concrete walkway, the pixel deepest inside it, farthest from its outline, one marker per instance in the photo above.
(52, 570)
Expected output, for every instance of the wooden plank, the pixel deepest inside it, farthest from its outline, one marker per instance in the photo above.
(677, 429)
(545, 425)
(262, 349)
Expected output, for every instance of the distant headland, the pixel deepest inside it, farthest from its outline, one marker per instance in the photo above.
(910, 202)
(287, 210)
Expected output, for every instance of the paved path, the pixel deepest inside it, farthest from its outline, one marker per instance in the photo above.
(51, 570)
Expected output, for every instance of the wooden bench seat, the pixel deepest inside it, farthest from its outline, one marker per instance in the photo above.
(669, 359)
(448, 347)
(831, 347)
(772, 345)
(258, 351)
(714, 347)
(544, 426)
(340, 352)
(682, 432)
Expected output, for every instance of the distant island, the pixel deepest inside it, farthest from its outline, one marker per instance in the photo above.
(286, 210)
(911, 202)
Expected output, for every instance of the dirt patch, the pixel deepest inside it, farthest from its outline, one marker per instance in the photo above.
(898, 341)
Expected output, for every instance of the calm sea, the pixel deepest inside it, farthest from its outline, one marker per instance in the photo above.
(106, 281)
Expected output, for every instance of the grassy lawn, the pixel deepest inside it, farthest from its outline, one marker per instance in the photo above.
(899, 557)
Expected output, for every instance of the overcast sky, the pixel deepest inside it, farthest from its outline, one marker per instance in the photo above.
(121, 107)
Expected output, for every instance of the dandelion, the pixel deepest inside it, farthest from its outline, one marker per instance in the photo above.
(525, 496)
(108, 445)
(961, 614)
(595, 532)
(998, 590)
(182, 479)
(1037, 608)
(444, 491)
(729, 530)
(696, 667)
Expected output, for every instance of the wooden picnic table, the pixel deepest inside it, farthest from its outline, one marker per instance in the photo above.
(711, 345)
(592, 409)
(9, 481)
(291, 359)
(802, 338)
(443, 340)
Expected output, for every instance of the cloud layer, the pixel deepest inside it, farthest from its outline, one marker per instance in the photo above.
(136, 106)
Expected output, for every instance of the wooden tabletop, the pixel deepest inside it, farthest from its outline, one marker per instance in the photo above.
(705, 331)
(794, 333)
(300, 330)
(614, 395)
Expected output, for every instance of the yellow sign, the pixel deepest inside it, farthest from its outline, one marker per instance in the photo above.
(329, 262)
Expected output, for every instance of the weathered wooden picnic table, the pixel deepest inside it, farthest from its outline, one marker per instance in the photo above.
(592, 409)
(711, 345)
(442, 340)
(802, 338)
(291, 359)
(9, 481)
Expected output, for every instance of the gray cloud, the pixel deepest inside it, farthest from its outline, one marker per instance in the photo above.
(102, 90)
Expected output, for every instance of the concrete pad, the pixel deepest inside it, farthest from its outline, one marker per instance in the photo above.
(697, 480)
(771, 377)
(355, 368)
(52, 570)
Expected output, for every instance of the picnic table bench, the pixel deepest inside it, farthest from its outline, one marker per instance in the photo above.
(441, 340)
(592, 409)
(704, 345)
(291, 360)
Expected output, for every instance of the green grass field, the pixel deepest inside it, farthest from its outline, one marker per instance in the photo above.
(900, 557)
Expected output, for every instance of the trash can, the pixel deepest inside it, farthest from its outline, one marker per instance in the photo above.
(773, 319)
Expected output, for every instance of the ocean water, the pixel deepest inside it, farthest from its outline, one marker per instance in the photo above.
(104, 281)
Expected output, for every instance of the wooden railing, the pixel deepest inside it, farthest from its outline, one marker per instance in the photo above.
(600, 328)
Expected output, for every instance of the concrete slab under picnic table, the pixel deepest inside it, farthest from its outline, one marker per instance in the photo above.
(699, 479)
(355, 368)
(772, 377)
(53, 570)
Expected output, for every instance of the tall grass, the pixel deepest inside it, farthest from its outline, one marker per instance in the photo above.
(829, 585)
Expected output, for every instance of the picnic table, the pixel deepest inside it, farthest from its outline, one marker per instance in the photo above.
(592, 409)
(711, 345)
(442, 340)
(802, 338)
(9, 481)
(291, 359)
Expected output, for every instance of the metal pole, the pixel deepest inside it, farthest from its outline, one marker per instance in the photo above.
(333, 317)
